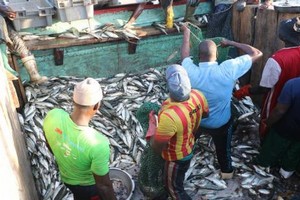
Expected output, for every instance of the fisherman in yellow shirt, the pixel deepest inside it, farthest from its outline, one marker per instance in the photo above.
(173, 137)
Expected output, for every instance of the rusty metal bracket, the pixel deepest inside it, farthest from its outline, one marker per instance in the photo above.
(132, 44)
(58, 54)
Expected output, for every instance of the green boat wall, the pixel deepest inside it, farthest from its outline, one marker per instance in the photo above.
(109, 58)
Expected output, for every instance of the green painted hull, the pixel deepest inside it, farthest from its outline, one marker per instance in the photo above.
(109, 58)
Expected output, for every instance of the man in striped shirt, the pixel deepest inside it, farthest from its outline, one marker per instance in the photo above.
(178, 119)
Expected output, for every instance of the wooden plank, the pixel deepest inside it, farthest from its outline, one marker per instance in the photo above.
(247, 18)
(243, 24)
(66, 42)
(19, 88)
(265, 35)
(15, 166)
(14, 96)
(236, 23)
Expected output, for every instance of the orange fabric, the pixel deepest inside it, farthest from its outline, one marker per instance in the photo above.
(242, 92)
(152, 125)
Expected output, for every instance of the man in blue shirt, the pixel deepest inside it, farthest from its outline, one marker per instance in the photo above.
(283, 140)
(217, 81)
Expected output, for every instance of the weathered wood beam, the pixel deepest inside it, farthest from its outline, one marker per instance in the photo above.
(142, 32)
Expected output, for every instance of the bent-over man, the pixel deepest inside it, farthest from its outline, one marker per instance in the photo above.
(178, 119)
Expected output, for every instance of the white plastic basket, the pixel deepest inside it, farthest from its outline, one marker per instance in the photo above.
(60, 4)
(70, 10)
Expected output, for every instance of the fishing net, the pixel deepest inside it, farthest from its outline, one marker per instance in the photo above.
(197, 36)
(220, 24)
(151, 169)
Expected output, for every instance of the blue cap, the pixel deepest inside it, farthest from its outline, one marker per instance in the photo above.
(178, 83)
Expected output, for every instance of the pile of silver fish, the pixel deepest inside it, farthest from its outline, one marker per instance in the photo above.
(123, 94)
(103, 32)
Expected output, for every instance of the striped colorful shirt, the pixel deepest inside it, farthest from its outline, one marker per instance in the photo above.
(177, 121)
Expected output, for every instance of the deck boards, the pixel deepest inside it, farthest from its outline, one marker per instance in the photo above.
(65, 42)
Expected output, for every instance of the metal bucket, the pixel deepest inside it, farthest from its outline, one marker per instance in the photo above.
(125, 178)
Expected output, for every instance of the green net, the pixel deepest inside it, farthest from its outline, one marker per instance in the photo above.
(151, 169)
(197, 36)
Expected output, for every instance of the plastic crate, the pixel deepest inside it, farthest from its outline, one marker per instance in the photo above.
(75, 13)
(126, 2)
(33, 13)
(70, 10)
(74, 3)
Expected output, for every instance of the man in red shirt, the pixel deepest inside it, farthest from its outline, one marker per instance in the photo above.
(282, 66)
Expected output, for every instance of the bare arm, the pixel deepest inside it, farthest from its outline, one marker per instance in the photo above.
(253, 52)
(185, 48)
(105, 187)
(137, 12)
(277, 113)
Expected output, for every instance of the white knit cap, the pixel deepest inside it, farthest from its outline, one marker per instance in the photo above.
(87, 92)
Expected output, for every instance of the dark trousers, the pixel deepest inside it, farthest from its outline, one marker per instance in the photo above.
(174, 173)
(279, 150)
(84, 192)
(222, 140)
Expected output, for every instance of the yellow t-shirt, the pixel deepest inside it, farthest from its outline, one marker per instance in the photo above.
(177, 122)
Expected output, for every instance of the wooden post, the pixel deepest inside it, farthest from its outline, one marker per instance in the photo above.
(19, 88)
(243, 26)
(265, 35)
